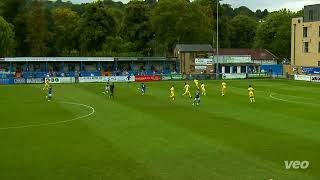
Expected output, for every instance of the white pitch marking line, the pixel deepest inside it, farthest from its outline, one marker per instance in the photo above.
(297, 97)
(279, 99)
(285, 100)
(55, 123)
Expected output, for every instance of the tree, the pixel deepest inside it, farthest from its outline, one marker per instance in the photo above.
(243, 10)
(141, 27)
(228, 10)
(135, 26)
(224, 30)
(243, 31)
(224, 21)
(261, 14)
(38, 35)
(21, 31)
(258, 14)
(7, 42)
(64, 23)
(116, 46)
(15, 12)
(166, 17)
(95, 25)
(112, 4)
(199, 24)
(118, 15)
(179, 21)
(274, 33)
(11, 8)
(150, 3)
(265, 13)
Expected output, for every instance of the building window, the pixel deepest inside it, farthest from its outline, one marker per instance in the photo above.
(243, 69)
(306, 47)
(234, 69)
(318, 63)
(305, 31)
(227, 69)
(319, 31)
(319, 47)
(311, 15)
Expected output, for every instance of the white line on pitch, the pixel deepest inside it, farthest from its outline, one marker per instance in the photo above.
(55, 123)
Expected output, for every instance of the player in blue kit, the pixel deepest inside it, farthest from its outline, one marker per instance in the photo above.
(197, 98)
(143, 89)
(107, 88)
(129, 77)
(49, 97)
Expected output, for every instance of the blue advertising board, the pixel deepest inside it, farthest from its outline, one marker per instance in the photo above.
(7, 81)
(35, 81)
(311, 70)
(276, 69)
(19, 81)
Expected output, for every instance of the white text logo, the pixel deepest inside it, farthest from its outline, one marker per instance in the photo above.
(296, 164)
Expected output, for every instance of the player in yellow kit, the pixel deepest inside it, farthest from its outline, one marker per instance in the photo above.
(251, 94)
(172, 95)
(187, 90)
(203, 89)
(46, 84)
(223, 88)
(196, 82)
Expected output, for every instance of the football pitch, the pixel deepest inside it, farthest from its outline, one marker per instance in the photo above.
(83, 135)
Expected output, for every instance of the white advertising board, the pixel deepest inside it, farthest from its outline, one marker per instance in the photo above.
(235, 76)
(302, 77)
(105, 79)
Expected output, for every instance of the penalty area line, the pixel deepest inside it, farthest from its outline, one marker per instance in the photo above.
(58, 122)
(290, 101)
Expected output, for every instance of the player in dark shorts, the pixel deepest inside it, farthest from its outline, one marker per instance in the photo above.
(197, 98)
(107, 88)
(143, 89)
(49, 97)
(111, 91)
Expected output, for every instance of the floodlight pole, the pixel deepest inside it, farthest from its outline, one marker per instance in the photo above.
(217, 53)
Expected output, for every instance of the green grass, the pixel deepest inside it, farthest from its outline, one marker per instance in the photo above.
(134, 137)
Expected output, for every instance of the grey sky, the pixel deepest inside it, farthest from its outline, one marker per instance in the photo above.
(271, 5)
